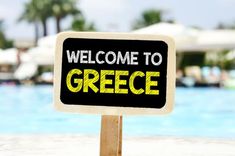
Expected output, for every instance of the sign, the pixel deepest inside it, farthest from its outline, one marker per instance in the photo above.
(114, 73)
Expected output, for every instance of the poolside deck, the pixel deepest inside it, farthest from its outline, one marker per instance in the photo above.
(65, 145)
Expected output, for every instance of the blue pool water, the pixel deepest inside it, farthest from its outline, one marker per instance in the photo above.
(204, 112)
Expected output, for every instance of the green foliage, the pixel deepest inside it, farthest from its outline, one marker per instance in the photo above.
(41, 10)
(225, 26)
(207, 59)
(191, 59)
(221, 61)
(63, 8)
(149, 17)
(4, 42)
(79, 24)
(37, 11)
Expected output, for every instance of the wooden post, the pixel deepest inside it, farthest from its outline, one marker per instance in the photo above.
(111, 136)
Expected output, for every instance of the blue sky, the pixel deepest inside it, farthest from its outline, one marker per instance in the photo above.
(118, 15)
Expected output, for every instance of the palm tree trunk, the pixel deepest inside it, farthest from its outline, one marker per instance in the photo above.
(44, 25)
(36, 29)
(58, 28)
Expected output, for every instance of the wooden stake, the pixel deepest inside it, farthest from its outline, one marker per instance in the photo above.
(111, 136)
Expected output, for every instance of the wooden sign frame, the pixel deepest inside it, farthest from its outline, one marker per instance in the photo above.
(107, 110)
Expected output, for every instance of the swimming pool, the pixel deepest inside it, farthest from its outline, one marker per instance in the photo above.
(204, 112)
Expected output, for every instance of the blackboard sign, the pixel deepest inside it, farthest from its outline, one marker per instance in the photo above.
(108, 73)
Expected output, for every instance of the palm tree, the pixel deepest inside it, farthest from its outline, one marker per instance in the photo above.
(79, 24)
(30, 15)
(37, 11)
(61, 9)
(149, 17)
(42, 7)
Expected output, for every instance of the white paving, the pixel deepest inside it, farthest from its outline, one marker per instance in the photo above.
(79, 145)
